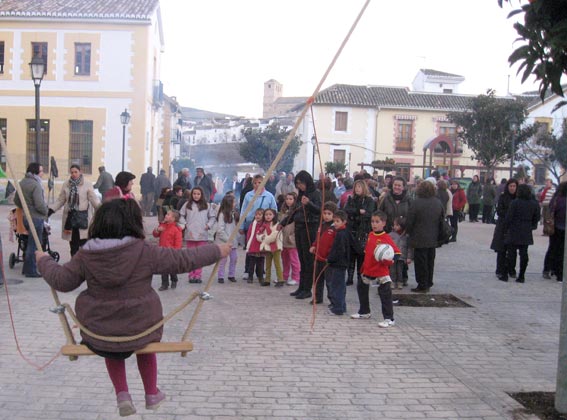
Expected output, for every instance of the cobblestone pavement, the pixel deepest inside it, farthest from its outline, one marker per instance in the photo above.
(256, 355)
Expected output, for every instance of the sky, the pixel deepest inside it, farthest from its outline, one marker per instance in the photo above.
(219, 53)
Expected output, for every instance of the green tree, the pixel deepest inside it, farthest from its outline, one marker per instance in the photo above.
(262, 146)
(543, 148)
(181, 163)
(335, 168)
(544, 54)
(486, 127)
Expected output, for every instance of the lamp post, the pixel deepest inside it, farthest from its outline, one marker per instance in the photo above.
(513, 125)
(124, 119)
(37, 67)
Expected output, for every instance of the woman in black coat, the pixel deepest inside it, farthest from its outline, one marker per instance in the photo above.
(306, 216)
(522, 217)
(498, 244)
(424, 216)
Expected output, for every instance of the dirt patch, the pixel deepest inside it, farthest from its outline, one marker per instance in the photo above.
(429, 301)
(541, 404)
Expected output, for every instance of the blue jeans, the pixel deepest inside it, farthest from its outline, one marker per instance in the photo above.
(336, 284)
(30, 267)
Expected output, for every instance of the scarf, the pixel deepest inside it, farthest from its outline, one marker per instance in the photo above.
(398, 197)
(74, 193)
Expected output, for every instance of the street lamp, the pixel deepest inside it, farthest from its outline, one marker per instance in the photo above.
(37, 67)
(513, 126)
(124, 119)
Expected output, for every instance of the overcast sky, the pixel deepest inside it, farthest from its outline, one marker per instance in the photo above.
(218, 53)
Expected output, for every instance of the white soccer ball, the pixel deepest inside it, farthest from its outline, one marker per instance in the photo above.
(384, 252)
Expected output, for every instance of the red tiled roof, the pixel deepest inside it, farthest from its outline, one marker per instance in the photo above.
(79, 9)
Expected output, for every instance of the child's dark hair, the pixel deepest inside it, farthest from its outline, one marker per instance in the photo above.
(330, 206)
(176, 215)
(401, 222)
(227, 209)
(201, 204)
(340, 214)
(117, 219)
(275, 213)
(381, 215)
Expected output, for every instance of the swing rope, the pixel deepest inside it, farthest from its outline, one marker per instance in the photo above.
(64, 322)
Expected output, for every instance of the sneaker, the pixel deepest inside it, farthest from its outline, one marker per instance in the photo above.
(125, 405)
(400, 286)
(198, 281)
(292, 282)
(331, 312)
(249, 280)
(220, 280)
(163, 287)
(279, 284)
(173, 284)
(386, 323)
(153, 401)
(361, 316)
(232, 279)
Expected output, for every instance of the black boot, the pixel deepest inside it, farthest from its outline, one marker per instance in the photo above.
(523, 266)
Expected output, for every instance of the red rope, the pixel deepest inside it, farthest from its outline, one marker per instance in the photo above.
(13, 325)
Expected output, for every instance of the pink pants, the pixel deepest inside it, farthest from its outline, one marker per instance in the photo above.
(290, 259)
(147, 365)
(195, 274)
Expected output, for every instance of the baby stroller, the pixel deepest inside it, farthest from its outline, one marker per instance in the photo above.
(22, 237)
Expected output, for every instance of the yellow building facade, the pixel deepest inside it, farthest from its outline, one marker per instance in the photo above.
(102, 57)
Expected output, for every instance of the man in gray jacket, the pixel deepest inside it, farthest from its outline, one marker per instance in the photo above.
(32, 191)
(104, 181)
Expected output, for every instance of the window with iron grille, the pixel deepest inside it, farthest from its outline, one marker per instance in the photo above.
(81, 144)
(4, 130)
(404, 136)
(43, 143)
(341, 121)
(39, 49)
(1, 57)
(82, 59)
(451, 132)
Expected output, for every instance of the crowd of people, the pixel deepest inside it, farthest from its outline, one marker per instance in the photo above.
(317, 234)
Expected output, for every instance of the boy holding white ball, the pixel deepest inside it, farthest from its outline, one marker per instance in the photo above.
(379, 255)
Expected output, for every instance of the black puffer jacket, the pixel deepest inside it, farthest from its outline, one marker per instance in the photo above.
(311, 212)
(359, 223)
(522, 217)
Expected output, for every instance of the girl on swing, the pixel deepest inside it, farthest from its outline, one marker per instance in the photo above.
(117, 265)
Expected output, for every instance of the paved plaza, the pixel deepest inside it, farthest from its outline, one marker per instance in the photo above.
(256, 355)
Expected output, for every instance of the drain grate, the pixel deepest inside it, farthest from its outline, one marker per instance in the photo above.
(429, 301)
(540, 404)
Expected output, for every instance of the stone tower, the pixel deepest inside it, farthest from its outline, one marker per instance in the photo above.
(273, 90)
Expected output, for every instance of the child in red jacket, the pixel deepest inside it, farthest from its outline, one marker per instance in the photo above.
(170, 236)
(377, 272)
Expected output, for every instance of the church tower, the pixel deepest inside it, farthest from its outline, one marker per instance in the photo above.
(273, 90)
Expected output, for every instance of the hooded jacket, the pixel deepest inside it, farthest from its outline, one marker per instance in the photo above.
(119, 299)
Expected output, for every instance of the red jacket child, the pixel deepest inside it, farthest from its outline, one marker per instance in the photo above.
(325, 237)
(170, 237)
(371, 267)
(252, 242)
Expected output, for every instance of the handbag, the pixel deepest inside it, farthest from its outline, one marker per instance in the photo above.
(77, 219)
(445, 231)
(549, 226)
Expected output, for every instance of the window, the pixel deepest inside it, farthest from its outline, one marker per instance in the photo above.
(43, 142)
(540, 173)
(81, 144)
(1, 57)
(82, 59)
(39, 49)
(403, 171)
(451, 132)
(341, 119)
(339, 156)
(404, 137)
(4, 130)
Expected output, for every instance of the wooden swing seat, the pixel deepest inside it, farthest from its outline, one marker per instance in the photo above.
(172, 347)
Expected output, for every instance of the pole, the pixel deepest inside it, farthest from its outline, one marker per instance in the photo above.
(37, 126)
(561, 385)
(123, 144)
(512, 155)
